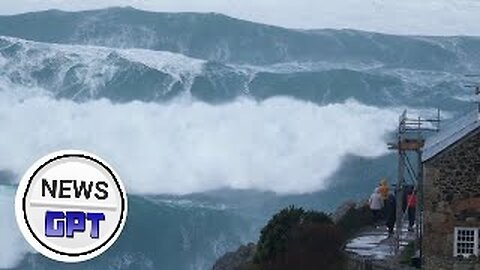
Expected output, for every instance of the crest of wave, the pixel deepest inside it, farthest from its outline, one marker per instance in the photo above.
(280, 144)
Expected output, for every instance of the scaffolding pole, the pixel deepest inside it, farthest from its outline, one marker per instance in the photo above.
(410, 140)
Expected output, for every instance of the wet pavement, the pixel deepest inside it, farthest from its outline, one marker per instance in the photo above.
(376, 244)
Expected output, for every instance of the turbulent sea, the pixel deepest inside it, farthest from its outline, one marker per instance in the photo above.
(213, 123)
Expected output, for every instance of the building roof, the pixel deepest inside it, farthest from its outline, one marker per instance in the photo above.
(450, 134)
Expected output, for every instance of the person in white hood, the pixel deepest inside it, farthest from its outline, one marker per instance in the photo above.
(376, 205)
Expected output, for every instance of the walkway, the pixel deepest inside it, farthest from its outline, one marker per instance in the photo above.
(375, 244)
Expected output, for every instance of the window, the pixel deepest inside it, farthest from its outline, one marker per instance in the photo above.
(466, 242)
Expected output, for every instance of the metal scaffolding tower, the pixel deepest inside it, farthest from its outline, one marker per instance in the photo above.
(476, 87)
(410, 140)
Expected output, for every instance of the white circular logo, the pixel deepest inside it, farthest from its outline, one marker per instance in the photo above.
(71, 206)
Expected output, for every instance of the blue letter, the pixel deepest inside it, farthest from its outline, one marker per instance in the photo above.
(75, 223)
(50, 218)
(95, 218)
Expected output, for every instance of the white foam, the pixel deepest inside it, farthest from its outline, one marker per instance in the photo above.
(36, 55)
(171, 63)
(281, 145)
(12, 245)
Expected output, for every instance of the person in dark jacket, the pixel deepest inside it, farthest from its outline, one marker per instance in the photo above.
(391, 212)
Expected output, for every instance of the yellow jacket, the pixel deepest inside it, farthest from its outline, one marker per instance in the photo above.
(383, 188)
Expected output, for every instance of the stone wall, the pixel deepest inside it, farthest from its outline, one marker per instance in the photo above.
(451, 198)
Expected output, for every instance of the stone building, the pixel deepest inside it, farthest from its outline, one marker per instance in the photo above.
(451, 190)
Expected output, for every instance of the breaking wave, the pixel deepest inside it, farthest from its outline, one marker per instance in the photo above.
(280, 144)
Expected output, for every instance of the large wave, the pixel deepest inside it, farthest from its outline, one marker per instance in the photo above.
(179, 143)
(82, 73)
(280, 144)
(270, 109)
(185, 146)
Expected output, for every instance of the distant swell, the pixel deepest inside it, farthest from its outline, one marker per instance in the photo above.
(83, 73)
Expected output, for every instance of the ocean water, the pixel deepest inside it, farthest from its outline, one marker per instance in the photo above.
(210, 135)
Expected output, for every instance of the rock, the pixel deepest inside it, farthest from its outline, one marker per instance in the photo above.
(236, 260)
(342, 210)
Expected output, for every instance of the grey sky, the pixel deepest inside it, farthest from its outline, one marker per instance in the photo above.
(433, 17)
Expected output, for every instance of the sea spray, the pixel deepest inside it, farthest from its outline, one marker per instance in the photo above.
(280, 144)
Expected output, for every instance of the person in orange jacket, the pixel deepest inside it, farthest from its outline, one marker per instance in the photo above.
(384, 190)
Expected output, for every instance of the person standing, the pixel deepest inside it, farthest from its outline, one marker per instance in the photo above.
(384, 191)
(391, 213)
(411, 209)
(376, 204)
(383, 186)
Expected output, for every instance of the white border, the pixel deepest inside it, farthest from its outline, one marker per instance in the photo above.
(475, 240)
(26, 232)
